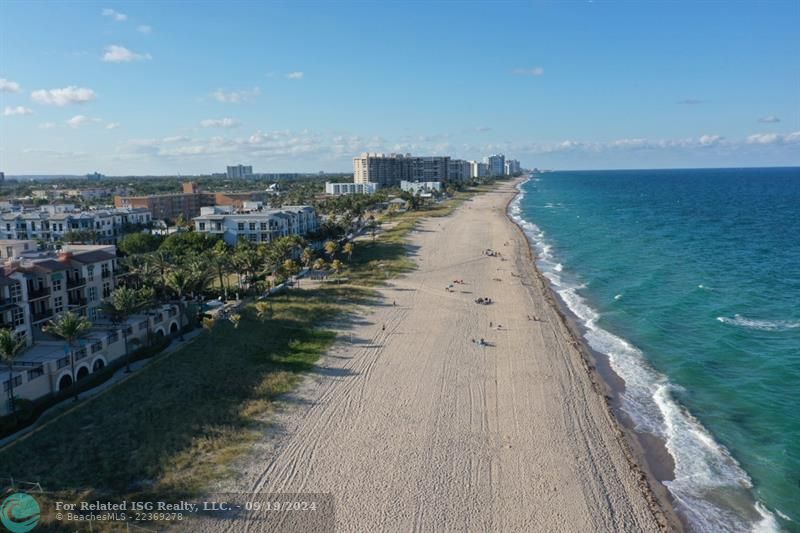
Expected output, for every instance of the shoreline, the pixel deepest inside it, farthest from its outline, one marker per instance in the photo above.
(647, 454)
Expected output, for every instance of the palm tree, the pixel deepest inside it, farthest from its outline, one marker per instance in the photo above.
(161, 262)
(10, 347)
(70, 327)
(122, 303)
(348, 249)
(319, 264)
(307, 257)
(330, 248)
(221, 256)
(180, 282)
(337, 266)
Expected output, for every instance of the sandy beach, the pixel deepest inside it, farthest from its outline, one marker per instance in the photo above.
(415, 426)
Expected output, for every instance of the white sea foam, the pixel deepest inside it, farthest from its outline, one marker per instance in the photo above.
(764, 325)
(710, 487)
(618, 297)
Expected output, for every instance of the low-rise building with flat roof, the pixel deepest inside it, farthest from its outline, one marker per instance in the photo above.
(340, 189)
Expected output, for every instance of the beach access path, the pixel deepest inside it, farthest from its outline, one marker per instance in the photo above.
(412, 426)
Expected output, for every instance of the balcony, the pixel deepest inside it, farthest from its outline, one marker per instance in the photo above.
(76, 302)
(41, 316)
(41, 292)
(75, 282)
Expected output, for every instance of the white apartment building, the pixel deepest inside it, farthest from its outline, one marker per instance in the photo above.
(415, 187)
(10, 249)
(512, 167)
(261, 225)
(339, 189)
(52, 222)
(478, 169)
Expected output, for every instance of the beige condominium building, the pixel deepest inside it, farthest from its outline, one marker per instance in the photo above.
(389, 170)
(36, 287)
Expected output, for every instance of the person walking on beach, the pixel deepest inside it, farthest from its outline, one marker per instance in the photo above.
(383, 327)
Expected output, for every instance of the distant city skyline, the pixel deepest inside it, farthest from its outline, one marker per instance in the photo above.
(131, 88)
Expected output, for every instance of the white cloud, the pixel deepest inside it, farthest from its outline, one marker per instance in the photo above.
(235, 97)
(691, 101)
(47, 125)
(144, 28)
(8, 86)
(62, 97)
(18, 110)
(116, 15)
(296, 75)
(81, 120)
(119, 54)
(219, 123)
(709, 140)
(175, 139)
(533, 71)
(77, 121)
(774, 138)
(763, 138)
(112, 125)
(771, 119)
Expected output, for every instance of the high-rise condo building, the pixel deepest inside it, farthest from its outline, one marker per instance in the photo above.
(497, 164)
(240, 172)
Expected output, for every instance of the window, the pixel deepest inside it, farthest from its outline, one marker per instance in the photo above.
(263, 226)
(15, 292)
(202, 226)
(90, 270)
(17, 316)
(56, 284)
(58, 304)
(240, 226)
(252, 236)
(61, 363)
(35, 373)
(96, 346)
(92, 294)
(106, 289)
(252, 226)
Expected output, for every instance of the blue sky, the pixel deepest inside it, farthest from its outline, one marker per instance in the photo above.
(168, 88)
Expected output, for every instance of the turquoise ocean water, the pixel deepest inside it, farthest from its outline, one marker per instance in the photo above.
(689, 281)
